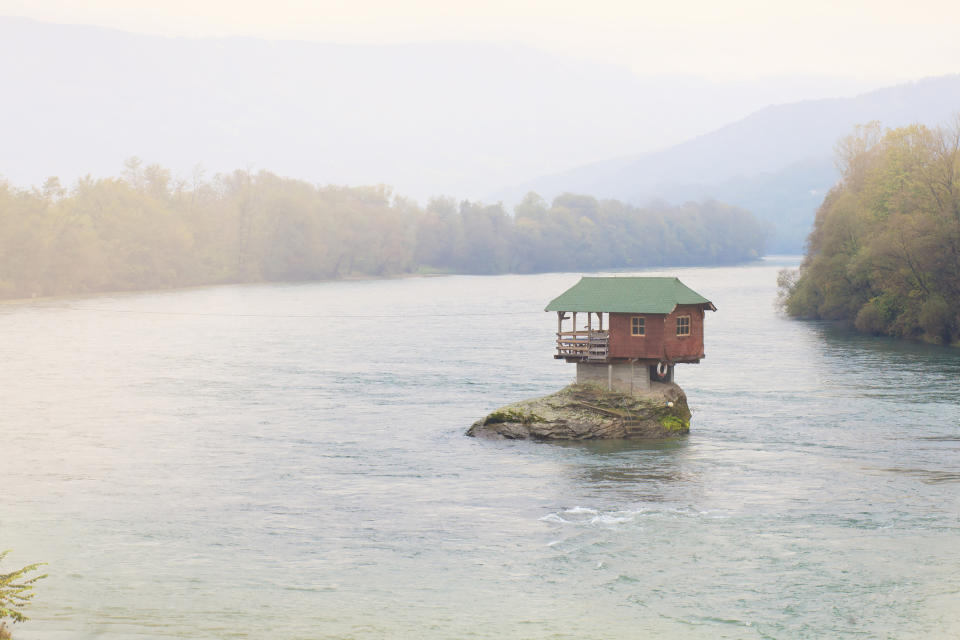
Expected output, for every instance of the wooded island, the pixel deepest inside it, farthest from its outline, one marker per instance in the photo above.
(884, 253)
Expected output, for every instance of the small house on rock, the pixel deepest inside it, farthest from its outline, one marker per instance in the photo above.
(651, 325)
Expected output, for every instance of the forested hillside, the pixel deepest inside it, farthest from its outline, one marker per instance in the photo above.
(777, 162)
(884, 253)
(147, 230)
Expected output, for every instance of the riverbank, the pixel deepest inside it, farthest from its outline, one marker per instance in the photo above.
(357, 278)
(209, 285)
(138, 233)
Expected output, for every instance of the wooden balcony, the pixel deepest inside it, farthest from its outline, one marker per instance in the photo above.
(586, 345)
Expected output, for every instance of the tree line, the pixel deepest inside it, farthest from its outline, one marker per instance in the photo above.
(884, 253)
(148, 230)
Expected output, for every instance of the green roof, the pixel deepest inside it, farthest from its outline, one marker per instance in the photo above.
(627, 295)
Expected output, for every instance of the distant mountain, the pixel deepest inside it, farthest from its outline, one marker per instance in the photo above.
(777, 162)
(428, 119)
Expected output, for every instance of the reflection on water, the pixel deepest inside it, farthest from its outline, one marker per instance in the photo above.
(177, 456)
(614, 447)
(928, 476)
(631, 469)
(633, 475)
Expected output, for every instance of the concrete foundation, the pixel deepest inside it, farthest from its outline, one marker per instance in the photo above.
(625, 377)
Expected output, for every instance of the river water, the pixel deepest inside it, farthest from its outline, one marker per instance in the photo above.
(288, 461)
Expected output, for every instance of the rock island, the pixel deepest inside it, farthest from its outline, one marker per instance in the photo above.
(625, 373)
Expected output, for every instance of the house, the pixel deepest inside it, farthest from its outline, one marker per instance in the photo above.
(651, 324)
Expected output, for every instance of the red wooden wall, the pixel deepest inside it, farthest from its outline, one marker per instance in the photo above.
(661, 341)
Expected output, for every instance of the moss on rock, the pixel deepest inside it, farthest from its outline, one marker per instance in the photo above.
(675, 424)
(511, 414)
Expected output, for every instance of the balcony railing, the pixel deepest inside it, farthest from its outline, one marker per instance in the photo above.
(583, 345)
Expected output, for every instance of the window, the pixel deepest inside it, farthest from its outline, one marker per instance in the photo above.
(638, 326)
(683, 325)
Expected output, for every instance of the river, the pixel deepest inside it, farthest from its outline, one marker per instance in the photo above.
(288, 461)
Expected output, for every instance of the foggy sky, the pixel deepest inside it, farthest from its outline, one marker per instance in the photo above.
(874, 40)
(477, 98)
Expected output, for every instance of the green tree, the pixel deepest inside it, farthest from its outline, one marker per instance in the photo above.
(16, 591)
(884, 253)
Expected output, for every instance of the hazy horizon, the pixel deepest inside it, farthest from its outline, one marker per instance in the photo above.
(465, 119)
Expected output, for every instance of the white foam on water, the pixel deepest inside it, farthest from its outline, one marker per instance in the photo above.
(575, 517)
(618, 517)
(552, 517)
